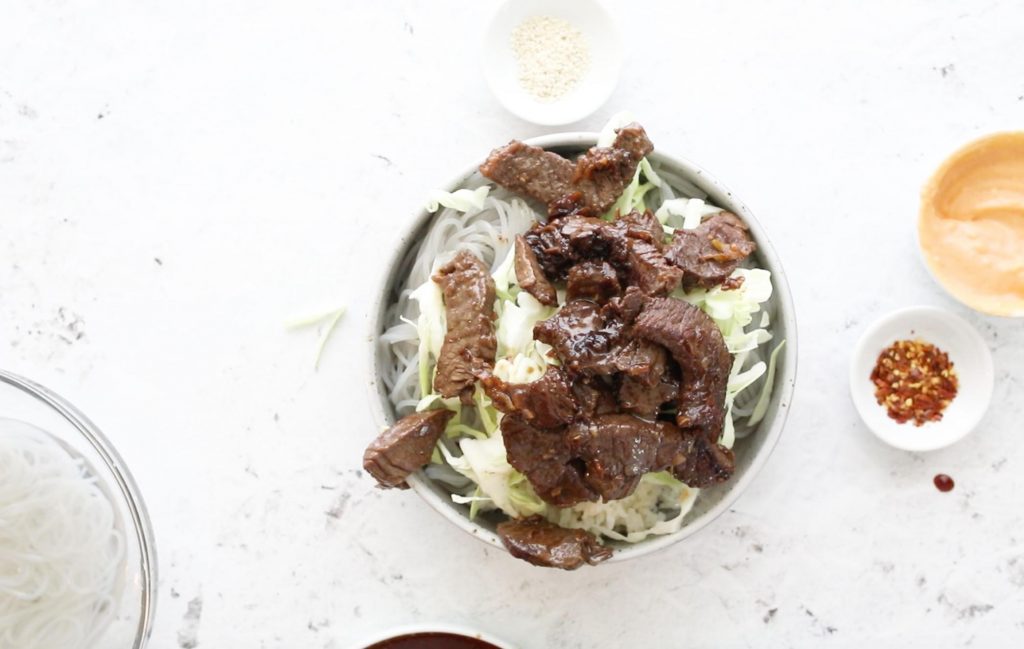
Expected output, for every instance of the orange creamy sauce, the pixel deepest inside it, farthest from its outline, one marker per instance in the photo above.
(972, 224)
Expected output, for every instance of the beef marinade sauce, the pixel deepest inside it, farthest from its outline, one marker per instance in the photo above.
(432, 641)
(943, 482)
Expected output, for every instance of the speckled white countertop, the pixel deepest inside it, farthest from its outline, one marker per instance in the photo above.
(177, 179)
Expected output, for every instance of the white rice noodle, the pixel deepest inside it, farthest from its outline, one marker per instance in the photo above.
(61, 546)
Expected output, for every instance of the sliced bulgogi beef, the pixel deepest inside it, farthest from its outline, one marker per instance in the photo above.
(617, 449)
(625, 308)
(530, 274)
(551, 249)
(646, 381)
(545, 544)
(602, 173)
(594, 239)
(697, 345)
(582, 337)
(594, 396)
(598, 177)
(641, 359)
(646, 265)
(592, 280)
(469, 344)
(707, 464)
(628, 244)
(544, 457)
(635, 396)
(643, 225)
(547, 402)
(405, 447)
(648, 268)
(675, 450)
(571, 204)
(710, 253)
(530, 171)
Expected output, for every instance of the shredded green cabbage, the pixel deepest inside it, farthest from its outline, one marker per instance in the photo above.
(430, 328)
(632, 197)
(761, 407)
(505, 277)
(643, 513)
(330, 319)
(684, 213)
(515, 327)
(500, 486)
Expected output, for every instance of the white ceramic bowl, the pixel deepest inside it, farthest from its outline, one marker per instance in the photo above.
(751, 452)
(502, 72)
(971, 359)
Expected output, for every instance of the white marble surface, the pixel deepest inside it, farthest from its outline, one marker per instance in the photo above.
(177, 179)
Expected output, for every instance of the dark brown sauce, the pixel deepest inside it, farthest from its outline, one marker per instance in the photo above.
(432, 641)
(943, 482)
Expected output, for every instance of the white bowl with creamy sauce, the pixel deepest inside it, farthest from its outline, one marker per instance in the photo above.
(972, 363)
(971, 226)
(551, 62)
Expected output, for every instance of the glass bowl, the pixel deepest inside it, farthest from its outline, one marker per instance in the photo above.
(29, 403)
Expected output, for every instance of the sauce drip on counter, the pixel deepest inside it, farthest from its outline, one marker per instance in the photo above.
(432, 641)
(943, 482)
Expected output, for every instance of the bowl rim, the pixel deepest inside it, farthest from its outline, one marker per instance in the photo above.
(859, 386)
(126, 485)
(785, 380)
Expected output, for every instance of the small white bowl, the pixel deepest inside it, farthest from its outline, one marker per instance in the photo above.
(971, 359)
(501, 70)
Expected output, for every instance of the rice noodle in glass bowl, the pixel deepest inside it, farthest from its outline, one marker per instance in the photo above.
(53, 430)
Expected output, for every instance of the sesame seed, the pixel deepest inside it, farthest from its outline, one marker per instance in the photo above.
(553, 56)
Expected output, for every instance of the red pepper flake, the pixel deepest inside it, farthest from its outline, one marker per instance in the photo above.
(915, 381)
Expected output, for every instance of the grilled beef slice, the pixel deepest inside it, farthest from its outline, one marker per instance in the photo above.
(710, 253)
(469, 344)
(547, 402)
(530, 275)
(405, 447)
(546, 544)
(598, 177)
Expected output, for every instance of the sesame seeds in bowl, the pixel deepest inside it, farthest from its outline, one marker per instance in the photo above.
(552, 63)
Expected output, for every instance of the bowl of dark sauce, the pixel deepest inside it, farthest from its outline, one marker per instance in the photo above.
(434, 637)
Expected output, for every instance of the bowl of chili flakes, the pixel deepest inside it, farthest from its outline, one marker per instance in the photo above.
(921, 378)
